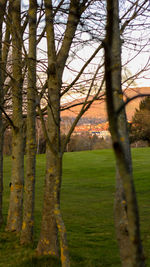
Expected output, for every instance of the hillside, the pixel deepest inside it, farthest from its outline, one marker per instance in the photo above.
(98, 108)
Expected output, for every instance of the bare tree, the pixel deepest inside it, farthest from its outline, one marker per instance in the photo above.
(14, 220)
(126, 210)
(52, 219)
(2, 12)
(28, 218)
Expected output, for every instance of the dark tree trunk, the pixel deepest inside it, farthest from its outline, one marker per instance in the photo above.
(126, 210)
(2, 12)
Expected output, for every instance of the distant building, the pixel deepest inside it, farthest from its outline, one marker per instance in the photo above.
(101, 134)
(100, 130)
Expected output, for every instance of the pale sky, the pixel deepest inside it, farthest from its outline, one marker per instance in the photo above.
(134, 66)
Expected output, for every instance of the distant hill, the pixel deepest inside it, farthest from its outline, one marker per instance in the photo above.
(98, 108)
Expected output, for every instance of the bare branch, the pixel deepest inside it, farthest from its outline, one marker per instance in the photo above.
(128, 101)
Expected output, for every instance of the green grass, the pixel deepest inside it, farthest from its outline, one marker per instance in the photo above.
(87, 204)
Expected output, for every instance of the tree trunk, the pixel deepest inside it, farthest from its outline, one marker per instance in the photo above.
(126, 210)
(14, 220)
(1, 127)
(28, 218)
(51, 218)
(48, 243)
(1, 169)
(65, 261)
(2, 12)
(121, 223)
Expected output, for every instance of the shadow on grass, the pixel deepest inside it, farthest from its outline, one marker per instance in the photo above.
(44, 261)
(24, 255)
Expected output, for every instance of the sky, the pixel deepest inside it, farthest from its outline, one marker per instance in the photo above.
(134, 66)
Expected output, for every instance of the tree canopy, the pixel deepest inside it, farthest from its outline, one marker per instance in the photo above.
(140, 128)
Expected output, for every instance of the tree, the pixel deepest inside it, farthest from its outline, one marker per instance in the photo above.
(14, 220)
(28, 218)
(2, 12)
(140, 128)
(126, 210)
(56, 64)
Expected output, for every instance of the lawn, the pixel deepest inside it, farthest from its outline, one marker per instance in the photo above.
(87, 205)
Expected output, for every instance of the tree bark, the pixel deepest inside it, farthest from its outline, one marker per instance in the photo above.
(28, 217)
(126, 210)
(51, 218)
(48, 243)
(2, 12)
(52, 221)
(1, 169)
(14, 219)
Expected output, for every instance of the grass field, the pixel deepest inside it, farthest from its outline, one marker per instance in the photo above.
(87, 205)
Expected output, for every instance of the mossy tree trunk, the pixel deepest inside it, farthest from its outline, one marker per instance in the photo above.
(48, 243)
(2, 12)
(14, 219)
(28, 217)
(51, 219)
(126, 210)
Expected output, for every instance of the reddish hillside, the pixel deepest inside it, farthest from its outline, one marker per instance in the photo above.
(98, 108)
